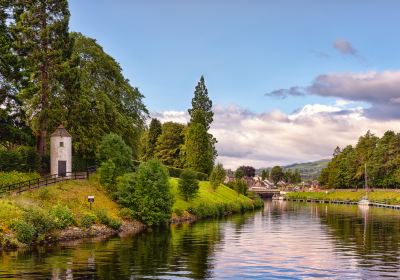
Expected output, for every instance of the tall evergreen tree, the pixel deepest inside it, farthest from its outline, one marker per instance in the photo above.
(41, 40)
(154, 132)
(198, 149)
(201, 111)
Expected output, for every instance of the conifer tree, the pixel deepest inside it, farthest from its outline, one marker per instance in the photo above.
(201, 111)
(41, 40)
(153, 134)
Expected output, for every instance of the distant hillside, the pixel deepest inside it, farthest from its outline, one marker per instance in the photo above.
(308, 170)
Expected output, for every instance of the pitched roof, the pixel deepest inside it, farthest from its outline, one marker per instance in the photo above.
(61, 131)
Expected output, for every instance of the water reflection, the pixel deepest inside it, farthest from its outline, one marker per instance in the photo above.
(285, 240)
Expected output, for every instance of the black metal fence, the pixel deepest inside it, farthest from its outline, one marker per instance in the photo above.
(45, 181)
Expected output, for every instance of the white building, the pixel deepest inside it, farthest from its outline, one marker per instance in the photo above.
(60, 152)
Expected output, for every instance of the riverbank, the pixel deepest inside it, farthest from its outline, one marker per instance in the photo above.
(61, 212)
(379, 196)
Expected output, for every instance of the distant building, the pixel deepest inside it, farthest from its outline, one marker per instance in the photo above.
(60, 152)
(229, 177)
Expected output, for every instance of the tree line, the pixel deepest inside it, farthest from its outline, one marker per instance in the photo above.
(379, 157)
(49, 76)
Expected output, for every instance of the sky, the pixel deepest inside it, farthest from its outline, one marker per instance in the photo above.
(289, 80)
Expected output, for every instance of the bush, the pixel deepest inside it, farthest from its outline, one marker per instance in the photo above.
(88, 220)
(41, 220)
(148, 193)
(24, 231)
(126, 213)
(188, 185)
(107, 220)
(62, 216)
(23, 159)
(108, 175)
(217, 176)
(176, 173)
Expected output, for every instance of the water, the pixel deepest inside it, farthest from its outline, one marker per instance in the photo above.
(286, 240)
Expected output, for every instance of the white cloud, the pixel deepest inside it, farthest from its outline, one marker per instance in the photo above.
(270, 138)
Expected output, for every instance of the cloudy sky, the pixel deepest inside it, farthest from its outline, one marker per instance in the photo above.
(289, 80)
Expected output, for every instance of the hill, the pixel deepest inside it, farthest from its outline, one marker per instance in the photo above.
(308, 170)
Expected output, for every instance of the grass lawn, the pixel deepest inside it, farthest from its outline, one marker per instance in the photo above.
(379, 196)
(209, 202)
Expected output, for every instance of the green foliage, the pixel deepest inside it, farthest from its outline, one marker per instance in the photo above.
(217, 176)
(150, 139)
(277, 174)
(292, 177)
(62, 216)
(147, 193)
(247, 171)
(169, 144)
(188, 185)
(25, 232)
(7, 178)
(240, 186)
(239, 173)
(23, 159)
(87, 220)
(105, 219)
(201, 111)
(381, 157)
(105, 101)
(176, 173)
(107, 172)
(198, 150)
(40, 219)
(264, 174)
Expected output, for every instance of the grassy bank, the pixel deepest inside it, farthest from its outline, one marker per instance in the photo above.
(379, 196)
(210, 203)
(47, 213)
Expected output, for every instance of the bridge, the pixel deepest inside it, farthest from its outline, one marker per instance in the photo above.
(265, 192)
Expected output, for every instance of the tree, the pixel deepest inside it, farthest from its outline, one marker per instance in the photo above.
(276, 174)
(296, 177)
(239, 173)
(115, 159)
(169, 144)
(41, 40)
(201, 111)
(248, 171)
(217, 176)
(105, 101)
(240, 186)
(264, 174)
(198, 151)
(188, 184)
(151, 201)
(155, 131)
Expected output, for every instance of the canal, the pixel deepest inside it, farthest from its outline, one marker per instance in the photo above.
(285, 240)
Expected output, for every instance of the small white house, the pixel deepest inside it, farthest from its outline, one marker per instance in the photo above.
(60, 152)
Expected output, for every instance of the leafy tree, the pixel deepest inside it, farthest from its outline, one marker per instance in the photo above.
(155, 131)
(41, 40)
(276, 174)
(248, 171)
(188, 184)
(296, 177)
(149, 198)
(169, 144)
(217, 176)
(264, 174)
(201, 111)
(240, 186)
(239, 173)
(198, 150)
(105, 101)
(115, 158)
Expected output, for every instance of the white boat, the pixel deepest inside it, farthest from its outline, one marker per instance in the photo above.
(364, 201)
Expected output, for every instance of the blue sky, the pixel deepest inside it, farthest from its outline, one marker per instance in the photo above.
(248, 48)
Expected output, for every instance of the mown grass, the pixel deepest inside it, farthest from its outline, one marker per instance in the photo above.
(378, 196)
(210, 203)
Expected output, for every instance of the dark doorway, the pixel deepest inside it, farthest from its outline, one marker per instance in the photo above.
(62, 168)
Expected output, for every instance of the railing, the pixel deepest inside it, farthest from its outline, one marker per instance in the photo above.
(46, 181)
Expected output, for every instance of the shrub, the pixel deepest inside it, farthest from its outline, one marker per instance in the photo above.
(62, 216)
(151, 200)
(188, 185)
(41, 220)
(23, 159)
(24, 231)
(217, 176)
(126, 213)
(88, 220)
(108, 175)
(107, 220)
